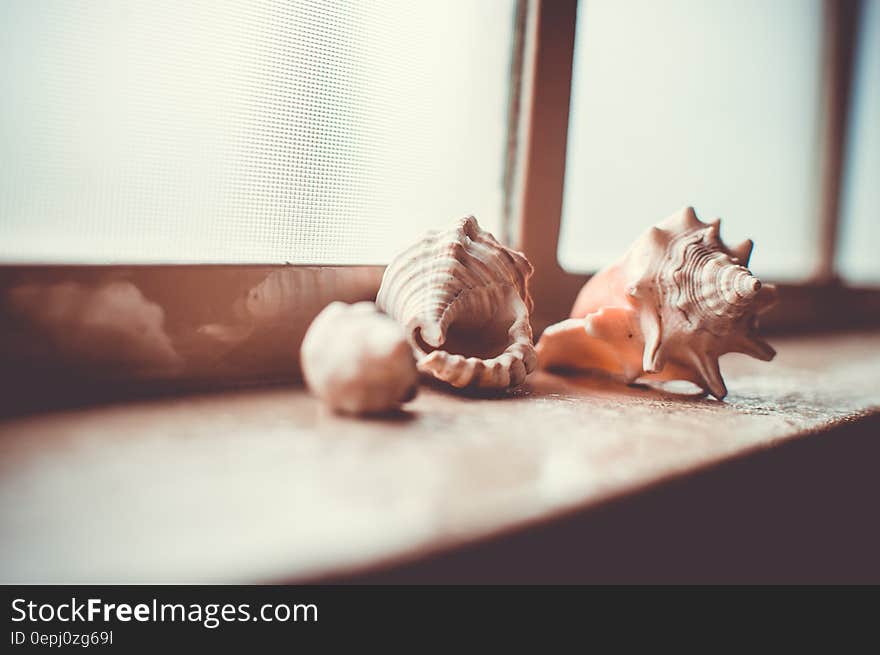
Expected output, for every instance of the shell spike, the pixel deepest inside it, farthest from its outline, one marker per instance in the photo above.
(709, 370)
(743, 252)
(755, 347)
(689, 218)
(683, 220)
(714, 227)
(469, 226)
(658, 236)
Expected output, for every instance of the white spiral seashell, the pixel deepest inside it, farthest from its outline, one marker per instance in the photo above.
(676, 301)
(463, 300)
(357, 360)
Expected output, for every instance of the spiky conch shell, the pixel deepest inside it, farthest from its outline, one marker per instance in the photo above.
(677, 300)
(463, 277)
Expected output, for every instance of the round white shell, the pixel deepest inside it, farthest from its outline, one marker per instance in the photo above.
(463, 300)
(357, 360)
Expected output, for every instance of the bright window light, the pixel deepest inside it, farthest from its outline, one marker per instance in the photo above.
(236, 131)
(707, 103)
(860, 253)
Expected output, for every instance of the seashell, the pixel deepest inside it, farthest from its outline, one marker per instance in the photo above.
(357, 360)
(677, 300)
(464, 303)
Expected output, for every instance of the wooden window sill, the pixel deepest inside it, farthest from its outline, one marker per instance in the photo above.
(265, 485)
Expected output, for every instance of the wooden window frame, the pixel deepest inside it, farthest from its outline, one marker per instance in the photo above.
(233, 325)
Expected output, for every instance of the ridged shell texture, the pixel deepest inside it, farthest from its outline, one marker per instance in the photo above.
(677, 301)
(463, 300)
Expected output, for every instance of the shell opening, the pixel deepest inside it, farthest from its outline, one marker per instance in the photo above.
(484, 338)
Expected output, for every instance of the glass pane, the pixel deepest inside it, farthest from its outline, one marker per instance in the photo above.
(707, 103)
(306, 131)
(860, 244)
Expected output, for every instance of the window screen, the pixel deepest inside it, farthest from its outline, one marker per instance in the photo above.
(860, 244)
(709, 103)
(247, 131)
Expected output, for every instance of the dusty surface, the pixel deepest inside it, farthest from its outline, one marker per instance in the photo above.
(261, 485)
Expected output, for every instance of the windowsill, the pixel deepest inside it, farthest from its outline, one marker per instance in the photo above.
(266, 485)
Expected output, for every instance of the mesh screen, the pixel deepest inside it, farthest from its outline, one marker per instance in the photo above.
(265, 131)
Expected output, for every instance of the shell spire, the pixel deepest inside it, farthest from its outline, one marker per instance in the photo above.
(677, 300)
(463, 301)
